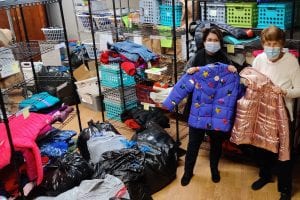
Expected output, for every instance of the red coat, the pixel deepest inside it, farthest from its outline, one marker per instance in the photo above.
(24, 133)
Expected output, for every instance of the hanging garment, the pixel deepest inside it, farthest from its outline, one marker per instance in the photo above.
(261, 118)
(215, 91)
(24, 132)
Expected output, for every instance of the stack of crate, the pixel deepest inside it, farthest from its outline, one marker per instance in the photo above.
(166, 13)
(116, 98)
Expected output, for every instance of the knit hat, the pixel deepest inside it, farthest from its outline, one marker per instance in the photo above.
(129, 68)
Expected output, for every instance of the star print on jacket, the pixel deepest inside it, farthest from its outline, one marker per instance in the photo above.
(205, 74)
(212, 108)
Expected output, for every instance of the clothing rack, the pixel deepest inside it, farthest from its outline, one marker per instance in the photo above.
(28, 50)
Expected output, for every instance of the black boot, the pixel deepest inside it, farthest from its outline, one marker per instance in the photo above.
(215, 175)
(285, 196)
(186, 178)
(261, 182)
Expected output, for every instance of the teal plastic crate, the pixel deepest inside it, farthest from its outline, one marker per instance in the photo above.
(166, 15)
(115, 109)
(242, 15)
(110, 76)
(277, 14)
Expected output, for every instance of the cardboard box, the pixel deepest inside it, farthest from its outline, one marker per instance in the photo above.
(84, 72)
(9, 81)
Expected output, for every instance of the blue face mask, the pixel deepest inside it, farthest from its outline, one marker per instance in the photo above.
(272, 52)
(212, 47)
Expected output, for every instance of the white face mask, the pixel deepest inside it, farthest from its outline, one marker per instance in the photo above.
(212, 47)
(272, 52)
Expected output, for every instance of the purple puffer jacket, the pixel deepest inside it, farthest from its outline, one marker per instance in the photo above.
(215, 92)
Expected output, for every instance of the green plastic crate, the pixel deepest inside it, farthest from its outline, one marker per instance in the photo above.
(242, 15)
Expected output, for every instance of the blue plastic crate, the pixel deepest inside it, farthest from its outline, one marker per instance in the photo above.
(166, 15)
(277, 14)
(115, 109)
(110, 76)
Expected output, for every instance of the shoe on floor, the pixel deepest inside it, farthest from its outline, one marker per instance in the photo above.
(215, 175)
(186, 178)
(285, 196)
(261, 182)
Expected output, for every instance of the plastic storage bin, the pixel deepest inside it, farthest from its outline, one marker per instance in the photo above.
(91, 101)
(149, 11)
(115, 109)
(110, 76)
(166, 15)
(242, 14)
(278, 14)
(88, 44)
(116, 95)
(214, 12)
(169, 2)
(90, 86)
(54, 34)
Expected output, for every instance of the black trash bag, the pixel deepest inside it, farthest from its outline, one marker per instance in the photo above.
(142, 116)
(87, 133)
(128, 166)
(66, 173)
(161, 160)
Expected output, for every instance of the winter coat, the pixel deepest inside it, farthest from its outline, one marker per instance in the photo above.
(24, 133)
(261, 118)
(215, 91)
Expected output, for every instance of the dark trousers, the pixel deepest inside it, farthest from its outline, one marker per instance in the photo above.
(196, 137)
(267, 160)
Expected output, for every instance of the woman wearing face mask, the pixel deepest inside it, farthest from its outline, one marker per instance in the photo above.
(284, 71)
(211, 53)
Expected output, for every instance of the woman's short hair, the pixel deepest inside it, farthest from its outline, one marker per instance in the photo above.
(216, 31)
(273, 33)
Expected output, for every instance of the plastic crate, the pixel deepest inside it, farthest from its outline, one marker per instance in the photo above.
(54, 34)
(143, 93)
(265, 1)
(115, 109)
(105, 21)
(117, 96)
(88, 44)
(149, 11)
(169, 2)
(90, 86)
(277, 14)
(91, 101)
(214, 12)
(166, 15)
(242, 14)
(110, 76)
(8, 64)
(84, 22)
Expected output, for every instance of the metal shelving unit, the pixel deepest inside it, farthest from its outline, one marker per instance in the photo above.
(27, 51)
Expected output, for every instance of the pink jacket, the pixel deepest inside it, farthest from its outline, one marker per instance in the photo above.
(24, 132)
(261, 118)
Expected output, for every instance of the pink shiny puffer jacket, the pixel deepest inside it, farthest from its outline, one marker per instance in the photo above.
(261, 118)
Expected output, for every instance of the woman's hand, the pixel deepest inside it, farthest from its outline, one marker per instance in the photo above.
(232, 68)
(192, 70)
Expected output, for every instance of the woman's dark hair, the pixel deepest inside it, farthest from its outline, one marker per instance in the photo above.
(216, 31)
